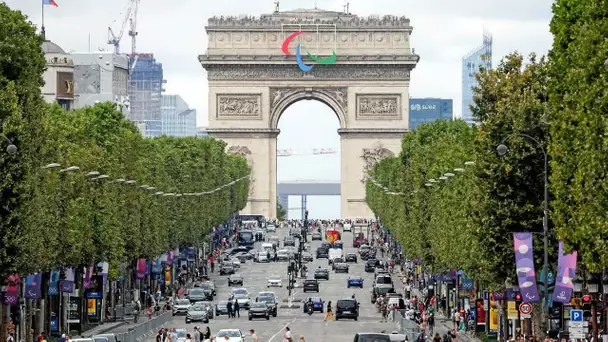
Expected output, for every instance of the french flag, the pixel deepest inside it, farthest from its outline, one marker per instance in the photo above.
(50, 2)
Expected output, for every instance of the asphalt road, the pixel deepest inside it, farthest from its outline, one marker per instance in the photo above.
(313, 328)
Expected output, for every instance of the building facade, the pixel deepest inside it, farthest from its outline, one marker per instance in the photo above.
(145, 93)
(58, 76)
(177, 119)
(101, 77)
(480, 57)
(428, 110)
(201, 132)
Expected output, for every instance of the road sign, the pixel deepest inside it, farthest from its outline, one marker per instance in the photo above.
(578, 324)
(576, 315)
(525, 308)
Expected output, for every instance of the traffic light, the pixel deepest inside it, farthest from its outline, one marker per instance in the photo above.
(518, 297)
(289, 270)
(586, 307)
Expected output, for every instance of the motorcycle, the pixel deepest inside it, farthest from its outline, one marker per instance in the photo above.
(310, 309)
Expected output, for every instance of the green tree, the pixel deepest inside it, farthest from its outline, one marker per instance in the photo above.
(281, 213)
(510, 100)
(579, 149)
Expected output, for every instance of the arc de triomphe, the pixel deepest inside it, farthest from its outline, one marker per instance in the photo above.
(252, 81)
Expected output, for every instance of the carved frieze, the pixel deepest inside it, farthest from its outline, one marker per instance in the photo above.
(378, 106)
(339, 94)
(319, 72)
(304, 17)
(245, 152)
(239, 106)
(371, 157)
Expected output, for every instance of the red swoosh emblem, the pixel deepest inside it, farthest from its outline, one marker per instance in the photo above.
(285, 46)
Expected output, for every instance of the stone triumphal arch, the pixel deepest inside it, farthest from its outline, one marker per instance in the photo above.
(252, 81)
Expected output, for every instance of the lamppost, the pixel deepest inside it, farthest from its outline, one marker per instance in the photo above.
(502, 150)
(10, 147)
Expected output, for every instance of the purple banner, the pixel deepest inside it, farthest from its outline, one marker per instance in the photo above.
(142, 266)
(524, 263)
(11, 297)
(67, 285)
(86, 277)
(566, 271)
(33, 286)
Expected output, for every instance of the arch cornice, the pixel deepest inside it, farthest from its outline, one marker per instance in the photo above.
(282, 97)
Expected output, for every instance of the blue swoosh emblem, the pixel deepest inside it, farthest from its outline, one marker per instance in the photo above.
(299, 60)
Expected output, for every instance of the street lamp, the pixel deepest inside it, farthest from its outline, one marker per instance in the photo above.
(10, 148)
(502, 150)
(51, 166)
(469, 163)
(92, 174)
(70, 169)
(458, 169)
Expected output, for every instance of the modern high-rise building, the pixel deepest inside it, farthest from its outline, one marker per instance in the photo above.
(428, 110)
(178, 120)
(145, 93)
(480, 57)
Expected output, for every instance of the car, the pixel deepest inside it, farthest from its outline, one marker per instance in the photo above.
(274, 240)
(381, 290)
(241, 295)
(235, 279)
(226, 269)
(197, 312)
(311, 285)
(259, 310)
(197, 294)
(234, 335)
(243, 257)
(221, 308)
(376, 337)
(181, 307)
(289, 241)
(316, 236)
(370, 265)
(271, 303)
(236, 263)
(283, 255)
(351, 257)
(340, 267)
(262, 256)
(354, 282)
(271, 228)
(322, 273)
(338, 244)
(335, 261)
(307, 256)
(347, 227)
(347, 308)
(317, 304)
(383, 279)
(181, 334)
(322, 253)
(209, 286)
(296, 234)
(209, 306)
(275, 281)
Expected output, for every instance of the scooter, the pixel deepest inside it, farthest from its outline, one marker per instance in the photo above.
(310, 309)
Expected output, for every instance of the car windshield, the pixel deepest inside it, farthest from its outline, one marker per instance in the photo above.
(356, 278)
(338, 260)
(239, 292)
(222, 302)
(374, 338)
(196, 292)
(266, 299)
(383, 290)
(259, 305)
(274, 278)
(235, 276)
(321, 270)
(182, 302)
(197, 307)
(346, 304)
(229, 333)
(383, 280)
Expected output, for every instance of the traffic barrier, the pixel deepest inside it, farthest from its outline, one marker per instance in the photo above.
(143, 330)
(409, 328)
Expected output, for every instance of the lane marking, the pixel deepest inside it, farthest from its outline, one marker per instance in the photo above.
(281, 330)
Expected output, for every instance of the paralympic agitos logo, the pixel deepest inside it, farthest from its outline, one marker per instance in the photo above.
(305, 67)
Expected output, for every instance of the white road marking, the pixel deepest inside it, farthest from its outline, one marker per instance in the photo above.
(281, 330)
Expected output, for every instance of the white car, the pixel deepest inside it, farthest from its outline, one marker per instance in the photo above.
(348, 227)
(275, 281)
(271, 228)
(234, 335)
(262, 257)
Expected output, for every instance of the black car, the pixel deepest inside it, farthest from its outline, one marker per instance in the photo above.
(289, 241)
(325, 244)
(311, 284)
(322, 273)
(307, 256)
(259, 310)
(227, 269)
(322, 253)
(316, 236)
(271, 304)
(235, 279)
(351, 257)
(347, 308)
(370, 265)
(221, 308)
(340, 267)
(296, 234)
(197, 294)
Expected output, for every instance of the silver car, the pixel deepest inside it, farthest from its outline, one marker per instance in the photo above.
(197, 312)
(235, 279)
(181, 307)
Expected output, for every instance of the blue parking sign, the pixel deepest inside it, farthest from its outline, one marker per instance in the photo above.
(576, 315)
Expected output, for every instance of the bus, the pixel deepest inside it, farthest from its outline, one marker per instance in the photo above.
(260, 219)
(246, 238)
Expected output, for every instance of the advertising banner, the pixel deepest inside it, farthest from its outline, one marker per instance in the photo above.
(33, 286)
(524, 263)
(67, 285)
(566, 271)
(493, 319)
(142, 267)
(92, 307)
(53, 284)
(512, 312)
(86, 277)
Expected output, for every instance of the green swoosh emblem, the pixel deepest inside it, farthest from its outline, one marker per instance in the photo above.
(329, 60)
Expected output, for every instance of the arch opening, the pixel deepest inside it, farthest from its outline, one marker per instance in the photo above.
(282, 102)
(308, 160)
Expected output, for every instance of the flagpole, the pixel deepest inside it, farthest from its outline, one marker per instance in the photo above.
(42, 30)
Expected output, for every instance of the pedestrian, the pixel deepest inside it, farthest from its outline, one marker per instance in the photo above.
(437, 338)
(455, 319)
(329, 313)
(236, 309)
(207, 334)
(254, 336)
(61, 339)
(197, 335)
(431, 323)
(229, 308)
(288, 336)
(188, 338)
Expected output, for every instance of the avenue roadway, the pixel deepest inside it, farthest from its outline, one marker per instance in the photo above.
(311, 327)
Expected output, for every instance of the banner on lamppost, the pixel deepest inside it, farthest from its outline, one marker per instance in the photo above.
(142, 267)
(53, 284)
(524, 263)
(33, 286)
(67, 284)
(86, 277)
(566, 271)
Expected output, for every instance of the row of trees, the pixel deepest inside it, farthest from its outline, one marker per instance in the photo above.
(51, 218)
(467, 221)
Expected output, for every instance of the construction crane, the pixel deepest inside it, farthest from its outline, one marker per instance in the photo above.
(314, 152)
(114, 39)
(133, 22)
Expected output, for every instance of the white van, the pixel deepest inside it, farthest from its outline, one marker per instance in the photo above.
(334, 253)
(267, 247)
(347, 227)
